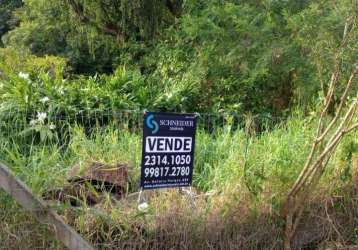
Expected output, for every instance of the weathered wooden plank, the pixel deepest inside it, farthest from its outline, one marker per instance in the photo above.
(37, 207)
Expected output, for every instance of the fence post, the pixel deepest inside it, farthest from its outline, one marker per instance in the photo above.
(22, 194)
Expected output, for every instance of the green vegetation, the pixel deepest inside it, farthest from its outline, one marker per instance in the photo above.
(234, 181)
(6, 22)
(216, 56)
(76, 75)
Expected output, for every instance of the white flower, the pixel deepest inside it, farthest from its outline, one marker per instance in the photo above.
(45, 99)
(60, 90)
(143, 206)
(33, 122)
(41, 116)
(52, 126)
(23, 75)
(169, 95)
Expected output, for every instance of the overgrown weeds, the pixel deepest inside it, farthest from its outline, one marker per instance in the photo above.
(239, 183)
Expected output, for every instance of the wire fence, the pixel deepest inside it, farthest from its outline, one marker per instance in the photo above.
(27, 127)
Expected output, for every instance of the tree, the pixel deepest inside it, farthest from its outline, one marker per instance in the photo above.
(49, 28)
(125, 19)
(6, 9)
(92, 35)
(330, 129)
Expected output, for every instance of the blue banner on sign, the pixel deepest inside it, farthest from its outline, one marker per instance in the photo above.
(167, 150)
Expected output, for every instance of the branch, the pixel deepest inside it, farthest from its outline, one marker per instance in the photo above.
(355, 126)
(327, 102)
(309, 169)
(329, 96)
(107, 28)
(346, 32)
(342, 102)
(335, 139)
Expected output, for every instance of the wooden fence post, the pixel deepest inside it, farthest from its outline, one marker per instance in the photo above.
(37, 207)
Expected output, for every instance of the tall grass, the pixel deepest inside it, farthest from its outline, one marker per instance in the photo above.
(234, 171)
(225, 158)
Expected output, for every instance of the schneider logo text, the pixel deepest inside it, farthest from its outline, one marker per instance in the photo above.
(179, 123)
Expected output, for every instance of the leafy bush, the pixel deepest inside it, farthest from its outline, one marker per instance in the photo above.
(218, 56)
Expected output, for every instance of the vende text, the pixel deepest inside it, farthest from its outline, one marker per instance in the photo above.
(162, 144)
